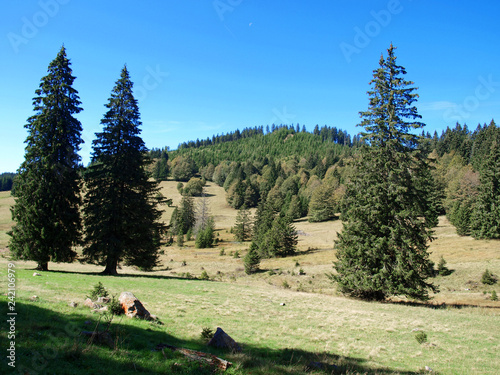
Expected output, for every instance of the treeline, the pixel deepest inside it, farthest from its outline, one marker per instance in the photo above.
(467, 173)
(327, 134)
(6, 181)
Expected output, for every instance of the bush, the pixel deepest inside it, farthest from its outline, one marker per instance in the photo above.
(488, 278)
(115, 306)
(494, 296)
(204, 276)
(442, 269)
(207, 333)
(421, 337)
(98, 291)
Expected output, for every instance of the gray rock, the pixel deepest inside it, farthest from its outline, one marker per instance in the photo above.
(133, 307)
(222, 340)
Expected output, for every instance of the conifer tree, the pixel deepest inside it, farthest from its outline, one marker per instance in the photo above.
(251, 261)
(485, 221)
(243, 225)
(121, 203)
(204, 225)
(382, 250)
(47, 189)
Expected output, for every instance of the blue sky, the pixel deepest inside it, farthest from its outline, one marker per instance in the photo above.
(207, 67)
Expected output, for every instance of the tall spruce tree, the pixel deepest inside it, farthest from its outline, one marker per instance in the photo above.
(121, 211)
(485, 220)
(243, 225)
(382, 250)
(46, 211)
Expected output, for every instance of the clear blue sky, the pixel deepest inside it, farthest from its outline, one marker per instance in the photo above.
(207, 67)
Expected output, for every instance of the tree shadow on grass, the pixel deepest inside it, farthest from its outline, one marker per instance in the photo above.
(147, 276)
(48, 341)
(439, 306)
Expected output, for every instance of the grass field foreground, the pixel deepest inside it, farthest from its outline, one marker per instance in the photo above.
(281, 325)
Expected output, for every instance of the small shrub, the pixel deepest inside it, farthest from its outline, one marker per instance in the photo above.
(183, 263)
(222, 252)
(494, 296)
(115, 307)
(421, 337)
(297, 264)
(236, 254)
(98, 291)
(207, 333)
(302, 272)
(442, 269)
(285, 284)
(488, 278)
(204, 276)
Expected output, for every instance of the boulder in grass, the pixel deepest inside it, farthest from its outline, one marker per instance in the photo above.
(222, 340)
(133, 307)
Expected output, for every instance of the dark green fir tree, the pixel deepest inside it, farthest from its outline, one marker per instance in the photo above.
(46, 210)
(121, 210)
(382, 249)
(251, 261)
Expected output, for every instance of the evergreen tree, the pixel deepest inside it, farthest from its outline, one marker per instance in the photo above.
(382, 250)
(251, 260)
(121, 203)
(485, 221)
(204, 226)
(183, 217)
(160, 169)
(294, 208)
(47, 189)
(243, 226)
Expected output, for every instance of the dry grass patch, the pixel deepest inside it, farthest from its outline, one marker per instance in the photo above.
(6, 201)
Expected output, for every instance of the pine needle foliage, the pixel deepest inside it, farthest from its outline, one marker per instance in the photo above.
(121, 203)
(382, 249)
(46, 211)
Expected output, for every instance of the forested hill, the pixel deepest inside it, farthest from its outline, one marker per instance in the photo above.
(252, 144)
(305, 173)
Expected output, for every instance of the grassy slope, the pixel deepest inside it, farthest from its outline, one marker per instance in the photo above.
(364, 337)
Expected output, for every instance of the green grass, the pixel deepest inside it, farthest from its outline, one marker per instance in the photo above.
(358, 337)
(463, 334)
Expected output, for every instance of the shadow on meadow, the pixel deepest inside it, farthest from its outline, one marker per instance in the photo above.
(49, 342)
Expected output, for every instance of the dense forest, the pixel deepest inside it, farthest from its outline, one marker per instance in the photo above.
(305, 172)
(6, 181)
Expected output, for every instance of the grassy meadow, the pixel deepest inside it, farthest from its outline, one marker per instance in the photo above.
(284, 317)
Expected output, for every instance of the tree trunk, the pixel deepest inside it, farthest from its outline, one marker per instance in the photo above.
(42, 266)
(111, 266)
